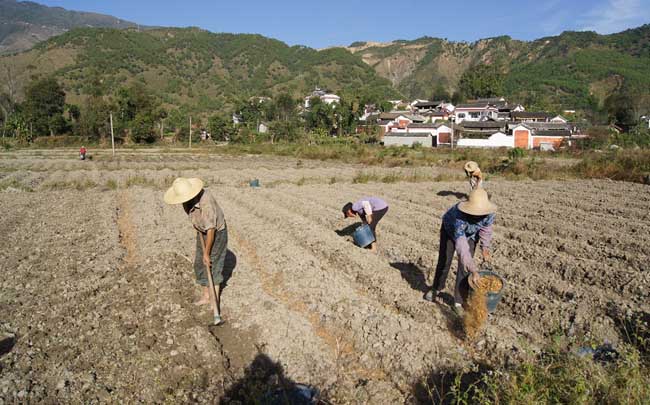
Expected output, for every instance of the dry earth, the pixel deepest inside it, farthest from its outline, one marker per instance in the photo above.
(96, 289)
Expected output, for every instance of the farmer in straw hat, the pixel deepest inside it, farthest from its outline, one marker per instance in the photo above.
(211, 234)
(473, 173)
(463, 226)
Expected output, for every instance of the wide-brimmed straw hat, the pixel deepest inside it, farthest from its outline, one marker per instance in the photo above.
(471, 166)
(183, 190)
(478, 204)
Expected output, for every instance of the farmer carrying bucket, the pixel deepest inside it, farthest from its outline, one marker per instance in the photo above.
(371, 210)
(463, 226)
(211, 237)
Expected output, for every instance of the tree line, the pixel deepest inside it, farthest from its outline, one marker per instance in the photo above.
(141, 117)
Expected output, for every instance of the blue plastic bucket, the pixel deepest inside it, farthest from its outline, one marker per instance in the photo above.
(493, 298)
(254, 183)
(363, 236)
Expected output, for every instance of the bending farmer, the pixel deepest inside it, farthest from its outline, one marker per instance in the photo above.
(211, 233)
(371, 210)
(463, 225)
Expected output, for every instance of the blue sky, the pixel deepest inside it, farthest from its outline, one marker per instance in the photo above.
(321, 23)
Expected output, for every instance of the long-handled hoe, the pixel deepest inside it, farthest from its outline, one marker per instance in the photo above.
(213, 295)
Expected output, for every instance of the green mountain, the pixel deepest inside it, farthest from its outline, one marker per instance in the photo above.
(205, 71)
(24, 24)
(574, 70)
(193, 67)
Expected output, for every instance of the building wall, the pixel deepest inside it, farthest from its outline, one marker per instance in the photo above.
(555, 140)
(408, 140)
(444, 137)
(490, 113)
(521, 139)
(403, 123)
(498, 140)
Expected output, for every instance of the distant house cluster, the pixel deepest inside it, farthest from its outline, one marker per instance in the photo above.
(482, 123)
(325, 96)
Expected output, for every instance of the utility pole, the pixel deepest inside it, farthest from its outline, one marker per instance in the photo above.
(112, 135)
(190, 132)
(452, 133)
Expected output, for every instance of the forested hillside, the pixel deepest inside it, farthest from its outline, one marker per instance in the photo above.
(24, 24)
(576, 70)
(194, 67)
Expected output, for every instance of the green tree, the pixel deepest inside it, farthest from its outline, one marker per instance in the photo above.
(385, 106)
(178, 121)
(285, 106)
(440, 93)
(93, 120)
(320, 115)
(138, 110)
(142, 127)
(481, 81)
(220, 128)
(44, 105)
(284, 130)
(73, 111)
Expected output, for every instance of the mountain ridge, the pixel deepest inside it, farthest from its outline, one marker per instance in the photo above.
(192, 66)
(417, 67)
(23, 24)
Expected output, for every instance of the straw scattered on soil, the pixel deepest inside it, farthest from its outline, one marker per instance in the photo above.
(476, 311)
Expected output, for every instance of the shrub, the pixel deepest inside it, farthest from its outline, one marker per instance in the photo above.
(558, 376)
(364, 177)
(628, 165)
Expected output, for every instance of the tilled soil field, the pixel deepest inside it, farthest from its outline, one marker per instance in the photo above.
(97, 286)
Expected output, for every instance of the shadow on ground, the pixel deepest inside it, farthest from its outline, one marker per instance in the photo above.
(229, 267)
(447, 193)
(264, 382)
(348, 230)
(450, 387)
(7, 342)
(633, 326)
(413, 274)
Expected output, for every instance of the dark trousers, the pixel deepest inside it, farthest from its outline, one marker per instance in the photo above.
(217, 257)
(445, 257)
(376, 217)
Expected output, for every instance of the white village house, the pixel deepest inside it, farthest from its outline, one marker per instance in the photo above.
(475, 112)
(426, 134)
(325, 96)
(497, 140)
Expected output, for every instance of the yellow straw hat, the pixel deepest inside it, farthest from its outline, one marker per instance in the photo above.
(471, 166)
(183, 190)
(478, 204)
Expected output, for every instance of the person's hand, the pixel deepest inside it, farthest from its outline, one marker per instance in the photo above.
(486, 257)
(473, 279)
(369, 219)
(206, 260)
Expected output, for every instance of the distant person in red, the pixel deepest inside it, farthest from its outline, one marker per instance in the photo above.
(82, 153)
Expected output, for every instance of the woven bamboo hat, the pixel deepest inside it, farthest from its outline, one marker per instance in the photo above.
(471, 166)
(183, 190)
(478, 204)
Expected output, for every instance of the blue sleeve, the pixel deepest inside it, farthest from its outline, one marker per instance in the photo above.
(459, 229)
(489, 220)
